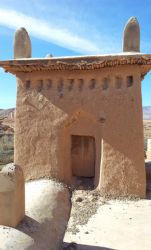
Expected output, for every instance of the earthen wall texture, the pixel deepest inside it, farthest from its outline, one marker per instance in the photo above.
(105, 104)
(12, 195)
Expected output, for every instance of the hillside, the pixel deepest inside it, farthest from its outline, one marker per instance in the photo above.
(6, 112)
(6, 135)
(7, 121)
(147, 113)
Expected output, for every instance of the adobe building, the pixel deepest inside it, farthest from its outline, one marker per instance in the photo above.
(82, 116)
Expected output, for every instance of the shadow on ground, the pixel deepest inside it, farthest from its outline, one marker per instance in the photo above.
(83, 183)
(74, 246)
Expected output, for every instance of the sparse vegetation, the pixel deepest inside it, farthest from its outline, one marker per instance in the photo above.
(6, 148)
(6, 137)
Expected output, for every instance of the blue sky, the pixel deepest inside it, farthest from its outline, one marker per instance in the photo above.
(70, 27)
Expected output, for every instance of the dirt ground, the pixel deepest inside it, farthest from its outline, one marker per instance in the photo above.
(112, 224)
(116, 225)
(96, 223)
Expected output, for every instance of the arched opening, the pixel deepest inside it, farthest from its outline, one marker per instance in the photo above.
(146, 102)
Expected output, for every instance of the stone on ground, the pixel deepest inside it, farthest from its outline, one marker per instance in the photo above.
(110, 224)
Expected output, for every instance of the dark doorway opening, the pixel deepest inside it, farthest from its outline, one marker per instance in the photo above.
(83, 160)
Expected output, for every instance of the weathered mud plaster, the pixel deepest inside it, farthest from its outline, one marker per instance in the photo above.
(131, 36)
(22, 44)
(12, 195)
(87, 106)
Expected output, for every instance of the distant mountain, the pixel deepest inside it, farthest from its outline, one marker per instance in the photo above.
(7, 121)
(147, 113)
(6, 113)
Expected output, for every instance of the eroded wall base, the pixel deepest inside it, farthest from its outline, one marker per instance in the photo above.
(121, 175)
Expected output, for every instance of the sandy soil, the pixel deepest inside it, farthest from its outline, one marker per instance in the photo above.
(47, 214)
(108, 224)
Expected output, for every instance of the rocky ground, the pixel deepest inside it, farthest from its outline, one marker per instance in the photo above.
(96, 223)
(85, 204)
(116, 224)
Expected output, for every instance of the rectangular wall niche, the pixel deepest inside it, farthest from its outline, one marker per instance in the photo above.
(83, 156)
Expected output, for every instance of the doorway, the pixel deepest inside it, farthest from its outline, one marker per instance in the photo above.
(83, 156)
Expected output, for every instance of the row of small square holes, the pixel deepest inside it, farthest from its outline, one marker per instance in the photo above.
(105, 85)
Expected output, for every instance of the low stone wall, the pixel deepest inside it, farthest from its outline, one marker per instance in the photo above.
(12, 195)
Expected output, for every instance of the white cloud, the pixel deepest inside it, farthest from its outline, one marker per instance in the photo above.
(43, 30)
